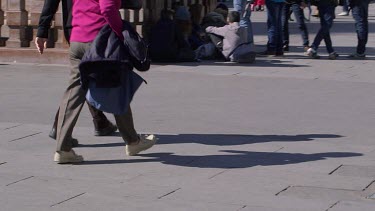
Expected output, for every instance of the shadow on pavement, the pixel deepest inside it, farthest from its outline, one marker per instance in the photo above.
(232, 159)
(223, 139)
(227, 159)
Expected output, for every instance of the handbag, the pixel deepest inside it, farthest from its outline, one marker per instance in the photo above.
(132, 4)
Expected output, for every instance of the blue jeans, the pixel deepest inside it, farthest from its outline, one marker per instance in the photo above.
(274, 23)
(240, 6)
(326, 15)
(360, 15)
(300, 18)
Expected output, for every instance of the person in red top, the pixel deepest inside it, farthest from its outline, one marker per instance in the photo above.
(88, 19)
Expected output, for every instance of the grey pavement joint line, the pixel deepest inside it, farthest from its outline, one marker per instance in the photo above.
(12, 127)
(332, 205)
(330, 173)
(3, 163)
(283, 190)
(25, 137)
(19, 180)
(243, 207)
(168, 193)
(217, 174)
(368, 185)
(67, 199)
(279, 149)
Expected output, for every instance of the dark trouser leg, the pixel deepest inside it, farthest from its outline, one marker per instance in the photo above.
(285, 24)
(300, 18)
(326, 15)
(99, 119)
(360, 15)
(125, 125)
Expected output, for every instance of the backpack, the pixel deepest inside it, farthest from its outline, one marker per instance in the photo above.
(137, 46)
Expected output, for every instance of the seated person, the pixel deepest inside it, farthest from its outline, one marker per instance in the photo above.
(216, 18)
(235, 45)
(167, 42)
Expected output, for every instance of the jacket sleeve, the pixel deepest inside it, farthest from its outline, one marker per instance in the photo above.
(221, 31)
(49, 10)
(109, 10)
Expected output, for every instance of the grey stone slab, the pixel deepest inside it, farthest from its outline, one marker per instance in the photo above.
(356, 171)
(306, 192)
(113, 202)
(348, 205)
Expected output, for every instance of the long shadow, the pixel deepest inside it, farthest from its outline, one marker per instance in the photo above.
(232, 159)
(224, 139)
(268, 62)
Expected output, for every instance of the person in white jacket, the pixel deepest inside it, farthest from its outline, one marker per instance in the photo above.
(234, 38)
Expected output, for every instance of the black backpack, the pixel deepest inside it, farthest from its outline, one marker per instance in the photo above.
(137, 46)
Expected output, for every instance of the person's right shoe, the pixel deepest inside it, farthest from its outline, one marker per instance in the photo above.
(62, 157)
(111, 128)
(145, 142)
(357, 56)
(312, 53)
(343, 14)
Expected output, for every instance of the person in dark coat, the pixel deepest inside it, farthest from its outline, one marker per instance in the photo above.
(102, 125)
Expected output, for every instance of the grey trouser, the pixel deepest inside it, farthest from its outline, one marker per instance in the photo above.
(74, 99)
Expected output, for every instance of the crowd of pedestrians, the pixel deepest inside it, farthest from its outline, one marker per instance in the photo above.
(182, 34)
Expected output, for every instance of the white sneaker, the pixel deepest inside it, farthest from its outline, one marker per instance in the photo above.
(145, 142)
(312, 53)
(67, 157)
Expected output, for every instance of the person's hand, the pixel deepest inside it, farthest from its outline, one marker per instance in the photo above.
(41, 44)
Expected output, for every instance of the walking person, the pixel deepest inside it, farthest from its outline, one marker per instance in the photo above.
(360, 15)
(297, 7)
(274, 24)
(89, 17)
(327, 15)
(102, 125)
(244, 8)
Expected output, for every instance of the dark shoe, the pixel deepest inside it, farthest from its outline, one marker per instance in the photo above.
(305, 48)
(279, 54)
(111, 128)
(52, 134)
(286, 48)
(357, 56)
(267, 53)
(333, 56)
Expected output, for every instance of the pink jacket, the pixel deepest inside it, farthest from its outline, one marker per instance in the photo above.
(89, 16)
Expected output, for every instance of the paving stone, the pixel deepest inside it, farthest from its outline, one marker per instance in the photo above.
(320, 193)
(348, 205)
(356, 171)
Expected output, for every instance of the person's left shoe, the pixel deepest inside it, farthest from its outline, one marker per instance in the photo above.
(333, 56)
(111, 128)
